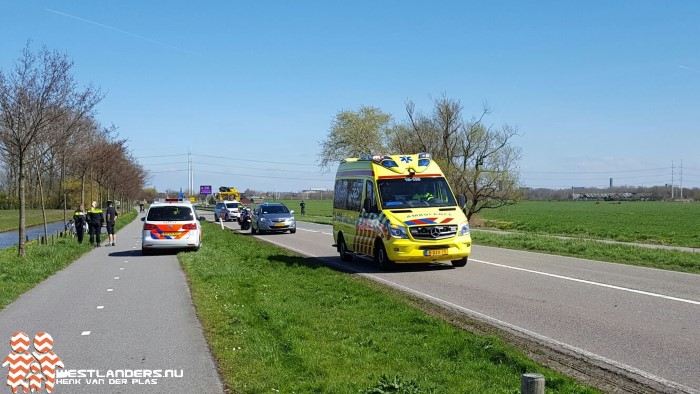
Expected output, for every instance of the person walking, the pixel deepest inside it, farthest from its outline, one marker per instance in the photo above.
(79, 221)
(95, 220)
(111, 216)
(303, 207)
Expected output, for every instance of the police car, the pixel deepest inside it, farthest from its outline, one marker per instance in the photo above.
(172, 224)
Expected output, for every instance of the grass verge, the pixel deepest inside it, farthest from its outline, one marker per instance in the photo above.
(672, 260)
(278, 322)
(18, 275)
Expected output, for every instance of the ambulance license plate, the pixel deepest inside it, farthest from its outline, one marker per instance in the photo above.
(435, 252)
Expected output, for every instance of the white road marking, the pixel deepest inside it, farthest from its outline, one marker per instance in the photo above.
(85, 333)
(314, 231)
(479, 315)
(647, 293)
(116, 278)
(110, 289)
(496, 322)
(100, 307)
(121, 269)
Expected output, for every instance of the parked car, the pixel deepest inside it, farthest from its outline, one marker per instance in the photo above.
(273, 216)
(171, 225)
(232, 210)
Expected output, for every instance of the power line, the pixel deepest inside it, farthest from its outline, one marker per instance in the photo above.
(246, 175)
(595, 172)
(229, 158)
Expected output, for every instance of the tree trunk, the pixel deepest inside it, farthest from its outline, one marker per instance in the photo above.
(41, 200)
(21, 246)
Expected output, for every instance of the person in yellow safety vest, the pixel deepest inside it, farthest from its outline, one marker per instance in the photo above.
(95, 220)
(79, 221)
(423, 194)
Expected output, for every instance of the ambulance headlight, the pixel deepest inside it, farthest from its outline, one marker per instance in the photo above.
(398, 231)
(463, 229)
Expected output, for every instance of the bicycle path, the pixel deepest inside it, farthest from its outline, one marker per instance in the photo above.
(120, 322)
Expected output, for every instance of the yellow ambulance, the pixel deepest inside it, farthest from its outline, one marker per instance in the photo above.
(398, 209)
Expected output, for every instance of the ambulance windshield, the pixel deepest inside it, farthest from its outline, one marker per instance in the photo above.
(415, 193)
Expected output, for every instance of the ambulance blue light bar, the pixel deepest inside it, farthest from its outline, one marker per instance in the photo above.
(423, 159)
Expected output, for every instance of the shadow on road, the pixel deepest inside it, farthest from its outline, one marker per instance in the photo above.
(125, 253)
(358, 265)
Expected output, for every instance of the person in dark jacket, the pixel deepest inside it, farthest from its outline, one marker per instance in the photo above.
(95, 220)
(111, 216)
(79, 221)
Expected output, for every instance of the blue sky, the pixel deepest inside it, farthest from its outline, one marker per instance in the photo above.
(597, 89)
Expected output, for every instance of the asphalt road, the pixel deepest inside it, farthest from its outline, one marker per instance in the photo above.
(643, 321)
(117, 316)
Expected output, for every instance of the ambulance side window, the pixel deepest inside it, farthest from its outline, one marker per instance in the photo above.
(354, 194)
(341, 194)
(348, 194)
(369, 194)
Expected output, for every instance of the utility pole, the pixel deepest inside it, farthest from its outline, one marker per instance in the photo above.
(681, 179)
(190, 180)
(672, 180)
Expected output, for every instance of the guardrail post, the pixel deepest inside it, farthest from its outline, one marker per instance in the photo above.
(532, 383)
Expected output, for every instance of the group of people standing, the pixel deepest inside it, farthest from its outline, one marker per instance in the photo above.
(95, 218)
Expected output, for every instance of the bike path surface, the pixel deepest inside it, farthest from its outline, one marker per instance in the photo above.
(117, 317)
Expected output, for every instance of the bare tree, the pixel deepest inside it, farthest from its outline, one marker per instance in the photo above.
(480, 162)
(34, 96)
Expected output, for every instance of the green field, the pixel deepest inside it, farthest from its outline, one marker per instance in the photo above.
(534, 225)
(9, 219)
(278, 322)
(652, 222)
(317, 211)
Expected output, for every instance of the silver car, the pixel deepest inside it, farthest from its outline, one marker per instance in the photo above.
(273, 216)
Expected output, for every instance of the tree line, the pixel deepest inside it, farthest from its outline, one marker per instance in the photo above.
(55, 153)
(478, 159)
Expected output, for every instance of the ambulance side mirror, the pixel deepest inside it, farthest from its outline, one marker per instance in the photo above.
(462, 201)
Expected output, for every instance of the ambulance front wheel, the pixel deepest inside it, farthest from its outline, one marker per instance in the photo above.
(381, 258)
(459, 263)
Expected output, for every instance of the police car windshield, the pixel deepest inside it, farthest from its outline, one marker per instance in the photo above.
(231, 205)
(170, 213)
(415, 193)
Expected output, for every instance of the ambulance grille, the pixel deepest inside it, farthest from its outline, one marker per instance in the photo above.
(433, 232)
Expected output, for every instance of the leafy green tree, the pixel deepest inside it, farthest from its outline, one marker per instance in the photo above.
(354, 133)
